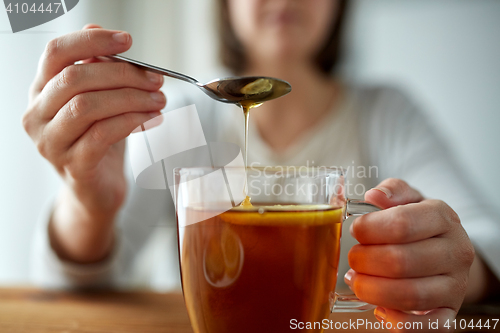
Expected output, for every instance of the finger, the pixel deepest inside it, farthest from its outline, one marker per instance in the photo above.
(417, 259)
(66, 50)
(392, 192)
(78, 115)
(404, 224)
(419, 294)
(89, 150)
(437, 320)
(78, 79)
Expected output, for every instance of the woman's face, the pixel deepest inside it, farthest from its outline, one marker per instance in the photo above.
(282, 30)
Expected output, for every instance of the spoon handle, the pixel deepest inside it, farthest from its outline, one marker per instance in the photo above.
(154, 69)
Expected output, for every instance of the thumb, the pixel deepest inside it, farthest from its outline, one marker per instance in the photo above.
(392, 192)
(88, 27)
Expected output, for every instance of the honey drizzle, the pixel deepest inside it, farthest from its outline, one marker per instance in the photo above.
(256, 93)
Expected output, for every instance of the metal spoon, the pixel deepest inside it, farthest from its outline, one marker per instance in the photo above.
(235, 90)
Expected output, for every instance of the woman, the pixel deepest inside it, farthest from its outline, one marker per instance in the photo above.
(79, 116)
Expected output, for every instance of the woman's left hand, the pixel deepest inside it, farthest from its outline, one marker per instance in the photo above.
(413, 259)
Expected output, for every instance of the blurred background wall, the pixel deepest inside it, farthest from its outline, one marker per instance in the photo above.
(445, 53)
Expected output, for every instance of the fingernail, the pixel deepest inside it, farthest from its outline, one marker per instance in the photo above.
(348, 276)
(154, 114)
(380, 313)
(121, 37)
(153, 77)
(420, 313)
(157, 97)
(387, 193)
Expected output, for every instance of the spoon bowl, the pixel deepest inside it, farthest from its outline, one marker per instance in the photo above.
(246, 90)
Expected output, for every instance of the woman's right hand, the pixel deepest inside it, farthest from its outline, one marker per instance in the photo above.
(78, 117)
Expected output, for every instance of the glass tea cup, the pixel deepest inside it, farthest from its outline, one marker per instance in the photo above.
(256, 268)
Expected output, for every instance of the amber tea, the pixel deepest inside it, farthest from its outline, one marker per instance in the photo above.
(254, 269)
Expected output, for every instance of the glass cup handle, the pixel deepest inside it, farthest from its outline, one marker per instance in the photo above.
(359, 207)
(340, 302)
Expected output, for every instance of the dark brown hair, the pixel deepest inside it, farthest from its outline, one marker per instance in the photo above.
(232, 53)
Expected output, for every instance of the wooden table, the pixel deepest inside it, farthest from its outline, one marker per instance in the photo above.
(37, 311)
